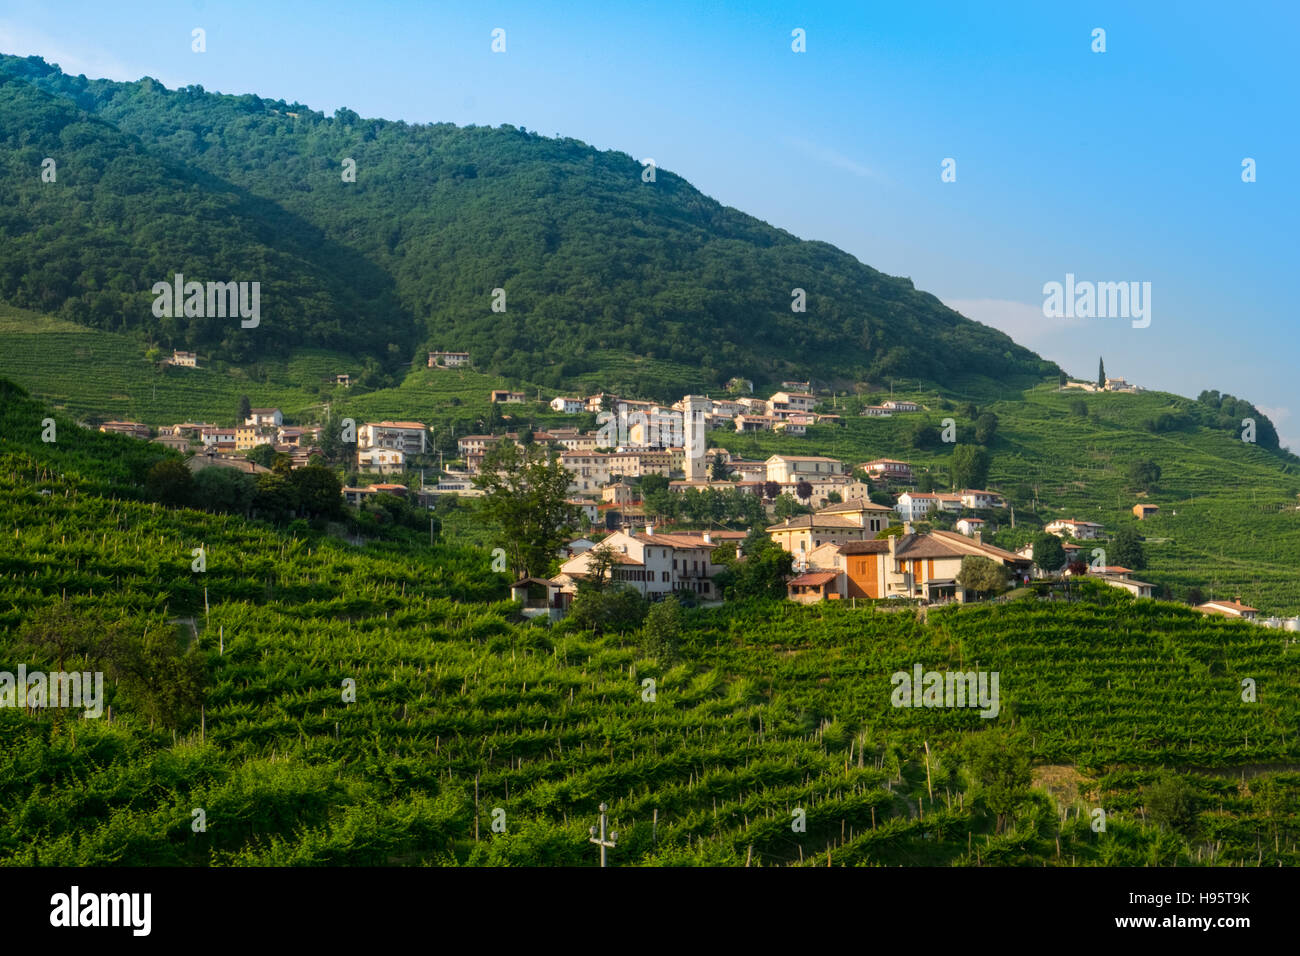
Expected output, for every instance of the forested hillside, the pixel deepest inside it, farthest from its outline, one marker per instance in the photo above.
(592, 258)
(120, 216)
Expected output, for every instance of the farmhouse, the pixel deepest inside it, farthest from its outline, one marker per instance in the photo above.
(1083, 530)
(184, 359)
(783, 403)
(569, 406)
(1142, 510)
(354, 496)
(217, 436)
(785, 468)
(503, 396)
(973, 499)
(248, 437)
(174, 442)
(130, 429)
(1233, 608)
(889, 468)
(848, 521)
(813, 586)
(386, 461)
(657, 564)
(922, 566)
(900, 406)
(1119, 577)
(754, 423)
(264, 417)
(621, 493)
(448, 359)
(539, 596)
(410, 438)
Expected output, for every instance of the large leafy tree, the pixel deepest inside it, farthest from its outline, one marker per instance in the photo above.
(761, 569)
(981, 574)
(1143, 474)
(319, 491)
(1126, 549)
(969, 466)
(1049, 552)
(170, 482)
(525, 492)
(986, 428)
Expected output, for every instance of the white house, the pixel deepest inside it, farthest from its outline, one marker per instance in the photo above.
(782, 403)
(1229, 609)
(1069, 527)
(657, 564)
(968, 526)
(569, 406)
(409, 437)
(784, 468)
(264, 416)
(184, 359)
(218, 435)
(914, 505)
(890, 468)
(386, 461)
(448, 359)
(900, 406)
(974, 498)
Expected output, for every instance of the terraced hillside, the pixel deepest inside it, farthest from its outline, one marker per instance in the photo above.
(460, 711)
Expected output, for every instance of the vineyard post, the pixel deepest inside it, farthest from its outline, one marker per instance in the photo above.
(600, 840)
(928, 785)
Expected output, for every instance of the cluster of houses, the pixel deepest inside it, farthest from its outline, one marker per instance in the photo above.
(1112, 385)
(262, 426)
(789, 410)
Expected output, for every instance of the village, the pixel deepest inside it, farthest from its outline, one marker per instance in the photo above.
(844, 543)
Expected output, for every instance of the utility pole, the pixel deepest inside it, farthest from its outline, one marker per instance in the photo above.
(600, 840)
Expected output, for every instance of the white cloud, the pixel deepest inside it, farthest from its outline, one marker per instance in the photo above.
(831, 157)
(1278, 414)
(73, 56)
(1022, 321)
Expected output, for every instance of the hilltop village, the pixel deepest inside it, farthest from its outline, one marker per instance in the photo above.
(645, 479)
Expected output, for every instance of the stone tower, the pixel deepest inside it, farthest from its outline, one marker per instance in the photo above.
(695, 409)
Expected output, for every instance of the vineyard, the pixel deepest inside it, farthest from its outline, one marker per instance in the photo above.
(464, 717)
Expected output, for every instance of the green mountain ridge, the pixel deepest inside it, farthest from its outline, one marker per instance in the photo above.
(591, 258)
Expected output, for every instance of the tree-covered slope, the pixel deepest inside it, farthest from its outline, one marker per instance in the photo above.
(120, 216)
(592, 258)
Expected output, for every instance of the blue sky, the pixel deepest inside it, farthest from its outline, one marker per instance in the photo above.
(1115, 166)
